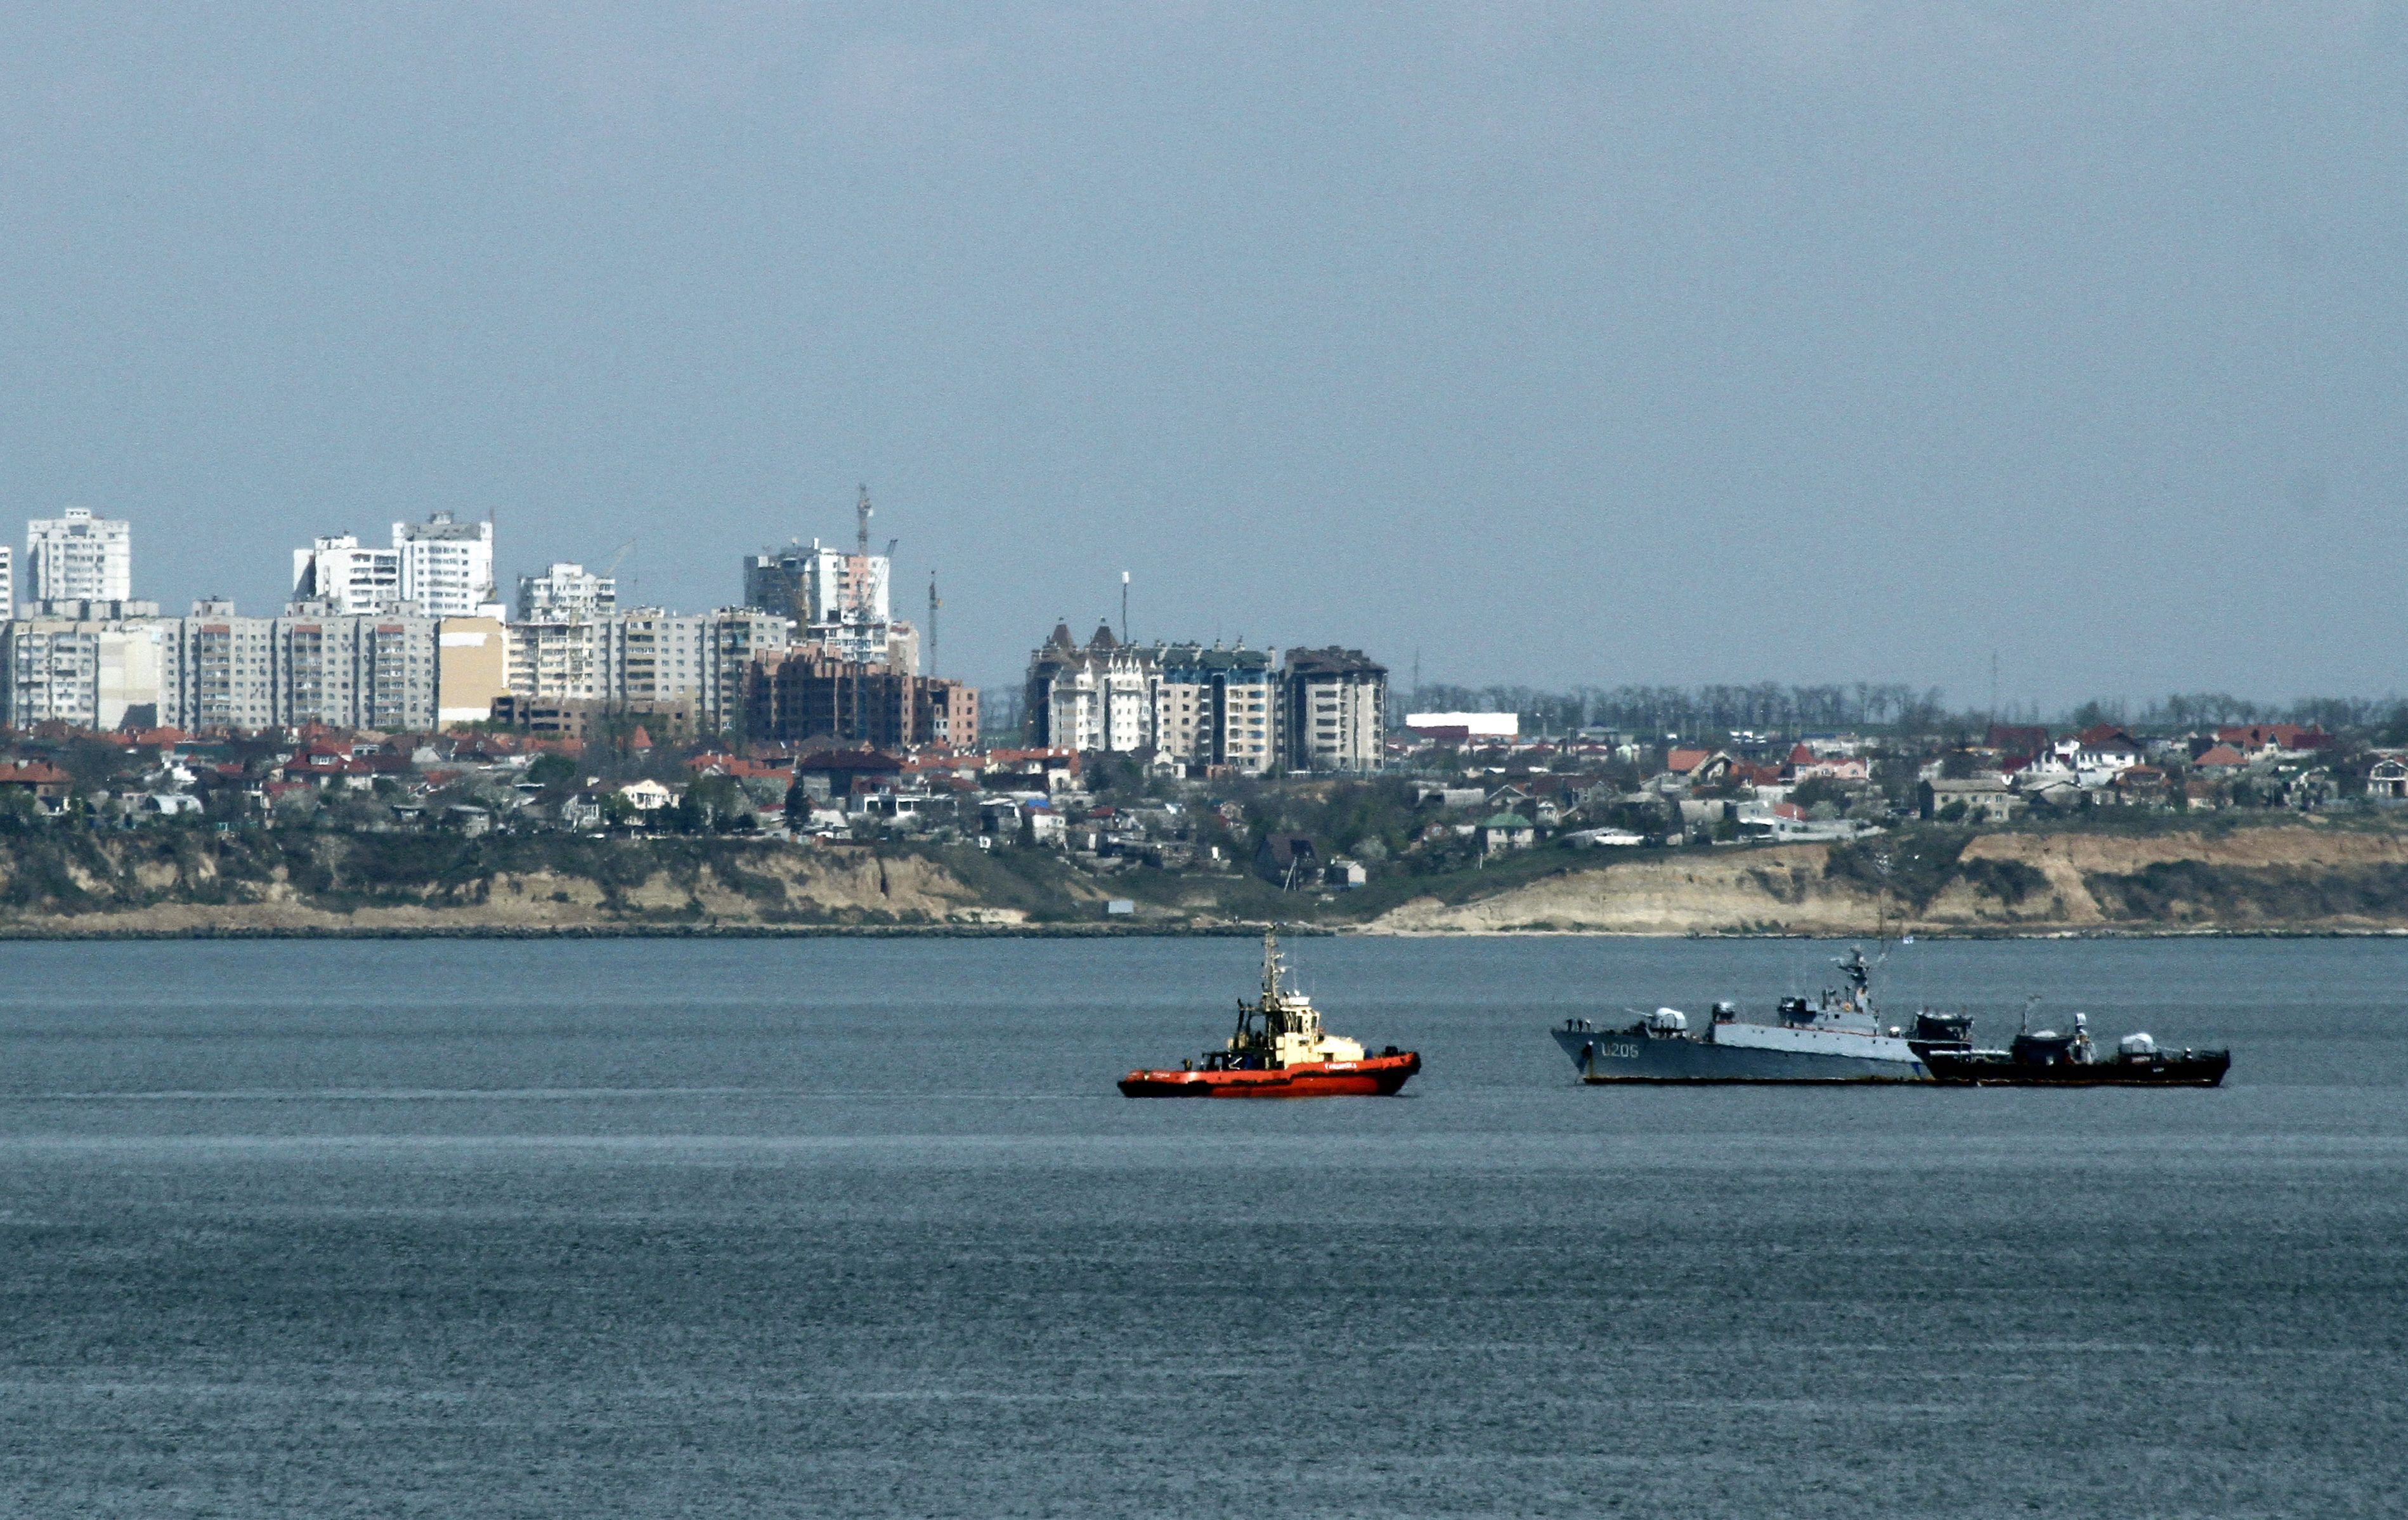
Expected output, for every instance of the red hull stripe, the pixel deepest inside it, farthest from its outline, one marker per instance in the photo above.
(1375, 1076)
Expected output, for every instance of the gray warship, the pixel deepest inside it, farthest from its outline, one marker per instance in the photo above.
(1836, 1036)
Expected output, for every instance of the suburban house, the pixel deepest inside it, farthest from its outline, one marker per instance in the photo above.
(1805, 766)
(44, 784)
(2102, 752)
(1506, 831)
(1982, 798)
(647, 795)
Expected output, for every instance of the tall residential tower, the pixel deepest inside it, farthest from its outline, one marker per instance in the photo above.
(79, 557)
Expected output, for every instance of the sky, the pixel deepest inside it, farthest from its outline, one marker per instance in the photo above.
(1547, 344)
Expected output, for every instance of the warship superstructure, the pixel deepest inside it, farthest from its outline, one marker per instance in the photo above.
(1836, 1037)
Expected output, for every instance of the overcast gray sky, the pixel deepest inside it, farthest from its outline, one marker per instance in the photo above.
(1565, 344)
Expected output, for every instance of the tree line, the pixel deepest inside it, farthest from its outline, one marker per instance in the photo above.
(1892, 707)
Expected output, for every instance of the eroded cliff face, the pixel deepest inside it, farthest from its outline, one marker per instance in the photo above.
(2291, 879)
(330, 884)
(2284, 879)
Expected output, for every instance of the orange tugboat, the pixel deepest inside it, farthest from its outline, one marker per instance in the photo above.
(1280, 1051)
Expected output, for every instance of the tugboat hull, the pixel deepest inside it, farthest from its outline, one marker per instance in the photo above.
(1374, 1076)
(1622, 1056)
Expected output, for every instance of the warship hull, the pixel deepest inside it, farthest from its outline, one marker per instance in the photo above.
(1604, 1056)
(1998, 1068)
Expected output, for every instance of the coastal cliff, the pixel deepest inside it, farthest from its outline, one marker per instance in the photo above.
(2296, 879)
(2280, 878)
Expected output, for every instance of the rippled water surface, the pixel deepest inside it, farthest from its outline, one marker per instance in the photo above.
(861, 1228)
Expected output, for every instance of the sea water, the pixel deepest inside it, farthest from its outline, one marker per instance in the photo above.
(860, 1226)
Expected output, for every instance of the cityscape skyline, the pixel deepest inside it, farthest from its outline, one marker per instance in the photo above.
(1796, 343)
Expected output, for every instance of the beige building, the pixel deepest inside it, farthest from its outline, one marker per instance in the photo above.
(472, 667)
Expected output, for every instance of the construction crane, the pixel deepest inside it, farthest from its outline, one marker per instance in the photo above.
(933, 605)
(610, 570)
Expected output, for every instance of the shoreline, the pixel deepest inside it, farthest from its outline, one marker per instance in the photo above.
(1235, 930)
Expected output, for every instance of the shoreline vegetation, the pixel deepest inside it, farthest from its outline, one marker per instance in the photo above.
(2281, 877)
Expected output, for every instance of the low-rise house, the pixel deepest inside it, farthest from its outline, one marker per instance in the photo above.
(1434, 796)
(2142, 786)
(648, 796)
(1051, 769)
(2221, 758)
(2102, 752)
(2011, 742)
(1287, 858)
(1345, 875)
(1804, 764)
(839, 774)
(2268, 737)
(1974, 799)
(39, 782)
(1506, 831)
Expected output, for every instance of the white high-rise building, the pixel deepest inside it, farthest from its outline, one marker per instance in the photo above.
(8, 581)
(348, 581)
(566, 594)
(447, 568)
(79, 557)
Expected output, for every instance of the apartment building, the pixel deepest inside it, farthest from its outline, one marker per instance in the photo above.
(1216, 707)
(1095, 696)
(1207, 707)
(807, 693)
(77, 556)
(220, 670)
(339, 574)
(567, 592)
(733, 639)
(88, 672)
(563, 660)
(354, 672)
(447, 568)
(842, 601)
(1333, 710)
(945, 713)
(644, 657)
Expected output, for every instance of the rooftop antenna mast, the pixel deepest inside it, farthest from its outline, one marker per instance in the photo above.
(1124, 579)
(933, 604)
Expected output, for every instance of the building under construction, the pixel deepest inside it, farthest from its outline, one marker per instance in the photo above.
(810, 693)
